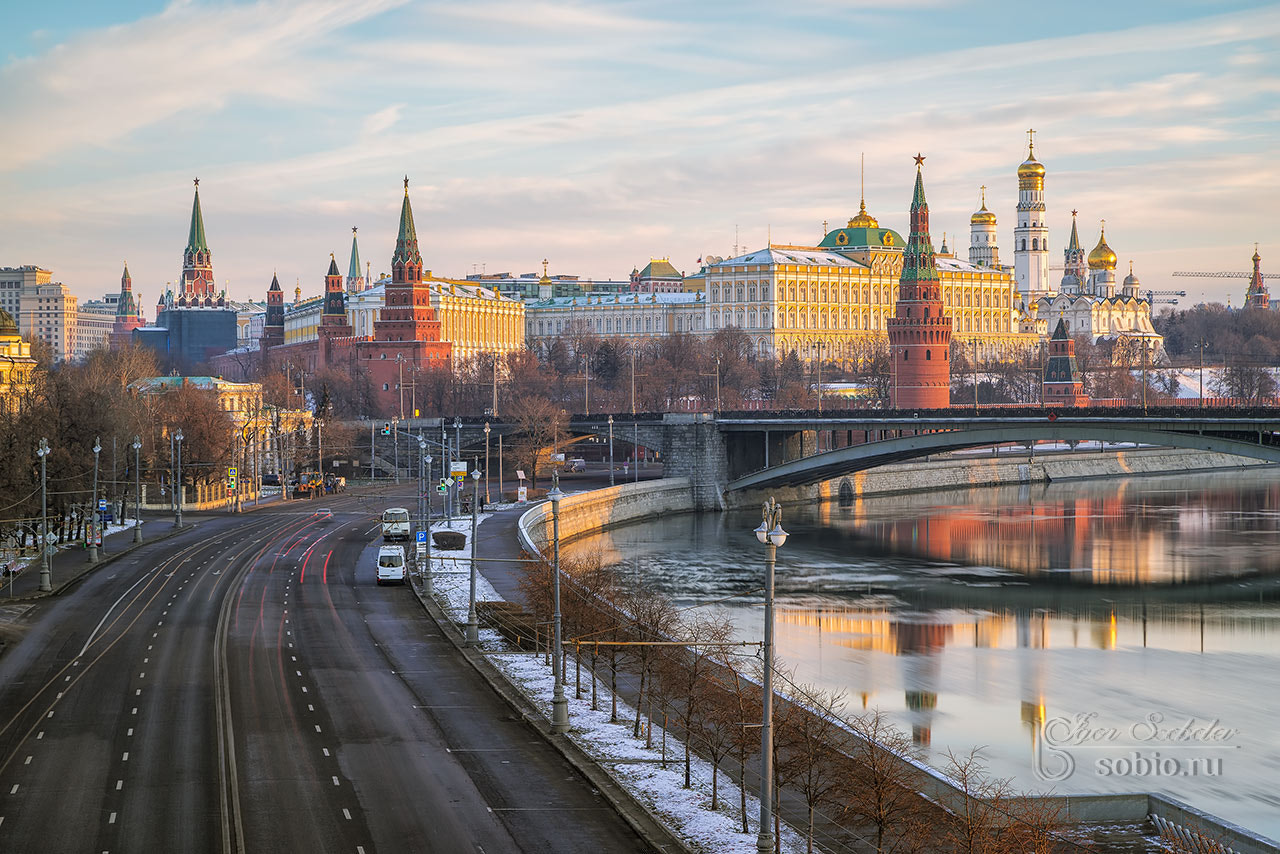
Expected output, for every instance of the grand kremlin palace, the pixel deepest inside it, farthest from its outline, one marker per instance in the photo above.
(838, 296)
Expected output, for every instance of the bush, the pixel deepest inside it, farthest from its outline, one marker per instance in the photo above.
(449, 541)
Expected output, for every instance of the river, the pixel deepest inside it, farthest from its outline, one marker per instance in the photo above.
(1099, 636)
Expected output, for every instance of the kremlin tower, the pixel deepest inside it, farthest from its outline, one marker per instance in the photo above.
(1075, 264)
(273, 328)
(1062, 383)
(127, 318)
(1031, 235)
(197, 287)
(919, 333)
(407, 314)
(333, 315)
(356, 281)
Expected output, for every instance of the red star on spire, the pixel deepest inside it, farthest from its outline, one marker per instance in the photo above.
(919, 158)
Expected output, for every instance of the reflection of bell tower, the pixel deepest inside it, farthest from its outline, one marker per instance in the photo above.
(1033, 634)
(920, 645)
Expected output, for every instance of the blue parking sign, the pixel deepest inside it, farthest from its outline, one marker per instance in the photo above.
(422, 536)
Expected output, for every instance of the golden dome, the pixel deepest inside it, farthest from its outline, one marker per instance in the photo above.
(863, 219)
(982, 216)
(1031, 168)
(1102, 258)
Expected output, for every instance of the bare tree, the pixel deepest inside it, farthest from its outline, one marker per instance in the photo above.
(537, 420)
(686, 676)
(881, 787)
(811, 763)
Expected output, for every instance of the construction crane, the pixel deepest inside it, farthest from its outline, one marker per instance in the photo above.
(1151, 297)
(1219, 275)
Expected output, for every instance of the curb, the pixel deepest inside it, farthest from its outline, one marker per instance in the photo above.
(103, 561)
(657, 835)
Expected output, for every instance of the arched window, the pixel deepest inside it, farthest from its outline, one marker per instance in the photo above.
(928, 355)
(906, 355)
(1024, 244)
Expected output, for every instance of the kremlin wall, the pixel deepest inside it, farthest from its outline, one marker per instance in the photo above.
(858, 289)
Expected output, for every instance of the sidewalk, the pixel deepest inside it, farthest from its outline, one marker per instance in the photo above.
(72, 560)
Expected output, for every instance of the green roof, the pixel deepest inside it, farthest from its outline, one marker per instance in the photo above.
(660, 269)
(195, 240)
(862, 238)
(353, 271)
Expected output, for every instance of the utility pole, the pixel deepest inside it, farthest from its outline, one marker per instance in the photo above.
(611, 450)
(586, 384)
(177, 482)
(495, 393)
(486, 462)
(771, 536)
(1202, 346)
(973, 350)
(559, 703)
(473, 624)
(1144, 376)
(818, 387)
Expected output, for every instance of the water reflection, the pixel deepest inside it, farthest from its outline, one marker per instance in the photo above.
(978, 617)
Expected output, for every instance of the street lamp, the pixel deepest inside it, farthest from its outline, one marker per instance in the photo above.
(457, 454)
(770, 535)
(177, 482)
(473, 625)
(446, 468)
(426, 573)
(611, 450)
(486, 462)
(93, 504)
(46, 577)
(559, 703)
(137, 491)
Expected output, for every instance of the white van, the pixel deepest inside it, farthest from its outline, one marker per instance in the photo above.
(395, 525)
(391, 565)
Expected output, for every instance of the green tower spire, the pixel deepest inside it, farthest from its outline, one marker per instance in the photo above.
(919, 264)
(406, 263)
(353, 270)
(195, 240)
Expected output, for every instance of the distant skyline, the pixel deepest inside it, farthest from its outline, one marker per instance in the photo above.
(601, 134)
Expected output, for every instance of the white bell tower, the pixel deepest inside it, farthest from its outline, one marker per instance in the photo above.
(1031, 235)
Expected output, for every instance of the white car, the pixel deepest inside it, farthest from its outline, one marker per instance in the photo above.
(391, 569)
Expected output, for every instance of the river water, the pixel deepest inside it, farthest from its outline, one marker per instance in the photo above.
(1100, 636)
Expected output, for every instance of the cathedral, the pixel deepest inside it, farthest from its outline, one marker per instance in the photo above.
(1086, 299)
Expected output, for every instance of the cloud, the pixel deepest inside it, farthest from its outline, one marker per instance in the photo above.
(99, 87)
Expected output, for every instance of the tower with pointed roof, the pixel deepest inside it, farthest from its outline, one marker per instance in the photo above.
(1075, 263)
(919, 332)
(127, 317)
(983, 251)
(407, 314)
(197, 286)
(1062, 380)
(334, 325)
(1256, 296)
(1031, 234)
(356, 281)
(273, 328)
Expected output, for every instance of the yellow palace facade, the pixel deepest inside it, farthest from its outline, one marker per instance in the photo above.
(835, 299)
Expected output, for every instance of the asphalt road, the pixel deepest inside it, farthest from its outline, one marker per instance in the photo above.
(246, 686)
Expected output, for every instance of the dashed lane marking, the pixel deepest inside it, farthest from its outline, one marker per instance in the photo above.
(346, 812)
(326, 750)
(28, 760)
(119, 785)
(112, 819)
(335, 781)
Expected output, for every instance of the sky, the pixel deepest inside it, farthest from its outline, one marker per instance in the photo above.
(599, 135)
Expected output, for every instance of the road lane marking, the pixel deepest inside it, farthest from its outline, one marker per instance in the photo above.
(130, 732)
(119, 785)
(40, 735)
(28, 762)
(310, 708)
(50, 714)
(135, 710)
(14, 790)
(346, 812)
(317, 727)
(125, 757)
(94, 633)
(112, 819)
(335, 781)
(138, 693)
(304, 689)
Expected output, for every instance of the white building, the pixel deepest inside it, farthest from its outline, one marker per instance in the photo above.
(1031, 235)
(615, 316)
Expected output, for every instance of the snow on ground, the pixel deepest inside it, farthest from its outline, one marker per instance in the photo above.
(637, 768)
(20, 563)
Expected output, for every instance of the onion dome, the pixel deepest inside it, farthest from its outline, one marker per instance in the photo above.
(1031, 171)
(1131, 281)
(983, 216)
(8, 326)
(1102, 257)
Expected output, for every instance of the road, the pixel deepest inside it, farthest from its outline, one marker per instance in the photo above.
(246, 686)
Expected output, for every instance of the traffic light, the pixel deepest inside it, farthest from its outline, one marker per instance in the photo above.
(386, 428)
(443, 487)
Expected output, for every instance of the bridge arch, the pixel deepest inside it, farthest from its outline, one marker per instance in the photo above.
(832, 464)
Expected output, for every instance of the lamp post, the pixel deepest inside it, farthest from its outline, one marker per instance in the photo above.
(400, 381)
(177, 483)
(426, 572)
(770, 535)
(320, 451)
(137, 490)
(446, 500)
(457, 453)
(46, 577)
(486, 462)
(559, 703)
(93, 504)
(422, 450)
(395, 444)
(611, 450)
(473, 625)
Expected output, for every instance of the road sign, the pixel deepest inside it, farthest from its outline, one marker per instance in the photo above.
(448, 481)
(520, 474)
(557, 458)
(233, 471)
(422, 551)
(51, 550)
(51, 538)
(458, 468)
(422, 536)
(102, 504)
(522, 494)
